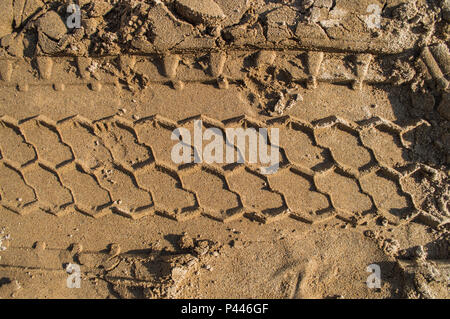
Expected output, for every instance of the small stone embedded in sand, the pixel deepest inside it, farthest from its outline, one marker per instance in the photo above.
(383, 221)
(391, 247)
(191, 263)
(4, 240)
(178, 274)
(52, 25)
(202, 247)
(114, 249)
(178, 85)
(185, 242)
(208, 267)
(200, 11)
(369, 234)
(23, 87)
(223, 83)
(40, 245)
(280, 106)
(235, 243)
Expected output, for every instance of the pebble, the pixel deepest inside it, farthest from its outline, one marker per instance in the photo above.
(208, 267)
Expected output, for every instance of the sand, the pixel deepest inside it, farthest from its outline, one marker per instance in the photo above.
(358, 90)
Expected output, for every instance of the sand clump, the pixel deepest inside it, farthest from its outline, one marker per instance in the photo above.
(197, 11)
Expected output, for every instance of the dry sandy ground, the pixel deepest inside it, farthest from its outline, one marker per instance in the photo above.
(358, 90)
